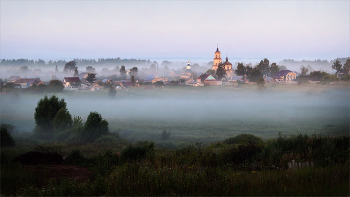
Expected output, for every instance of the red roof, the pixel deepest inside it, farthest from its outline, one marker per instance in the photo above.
(71, 79)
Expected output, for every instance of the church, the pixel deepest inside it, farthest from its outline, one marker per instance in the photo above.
(227, 64)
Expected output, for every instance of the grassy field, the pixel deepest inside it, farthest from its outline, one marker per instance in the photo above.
(202, 114)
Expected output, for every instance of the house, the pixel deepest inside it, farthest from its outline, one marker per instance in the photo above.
(71, 82)
(106, 81)
(213, 82)
(27, 82)
(13, 79)
(208, 80)
(285, 75)
(269, 80)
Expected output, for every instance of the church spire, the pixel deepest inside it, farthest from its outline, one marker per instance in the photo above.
(217, 48)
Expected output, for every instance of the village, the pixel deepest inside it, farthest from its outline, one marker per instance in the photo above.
(220, 74)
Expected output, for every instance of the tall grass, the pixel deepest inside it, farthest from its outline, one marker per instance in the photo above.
(218, 169)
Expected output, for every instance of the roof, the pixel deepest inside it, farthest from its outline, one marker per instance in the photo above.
(282, 73)
(268, 79)
(188, 71)
(13, 78)
(71, 79)
(28, 80)
(204, 75)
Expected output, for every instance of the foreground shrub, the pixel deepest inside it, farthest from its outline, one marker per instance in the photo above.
(107, 140)
(6, 138)
(243, 139)
(75, 157)
(94, 127)
(138, 152)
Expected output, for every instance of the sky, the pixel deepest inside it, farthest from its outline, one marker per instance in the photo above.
(174, 30)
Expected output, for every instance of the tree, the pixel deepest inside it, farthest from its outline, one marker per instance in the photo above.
(62, 121)
(6, 138)
(95, 127)
(70, 66)
(274, 69)
(76, 73)
(303, 78)
(46, 111)
(254, 74)
(91, 77)
(346, 67)
(56, 69)
(221, 72)
(112, 91)
(263, 66)
(55, 86)
(210, 72)
(122, 72)
(9, 86)
(153, 67)
(261, 83)
(337, 66)
(133, 71)
(303, 71)
(317, 75)
(240, 71)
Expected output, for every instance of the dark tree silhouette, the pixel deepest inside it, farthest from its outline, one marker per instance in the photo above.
(337, 66)
(221, 72)
(70, 66)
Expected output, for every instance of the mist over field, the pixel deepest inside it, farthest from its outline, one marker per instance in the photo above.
(201, 113)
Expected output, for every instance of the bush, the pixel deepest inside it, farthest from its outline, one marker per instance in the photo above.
(107, 139)
(138, 152)
(75, 157)
(94, 127)
(6, 138)
(46, 111)
(62, 121)
(243, 139)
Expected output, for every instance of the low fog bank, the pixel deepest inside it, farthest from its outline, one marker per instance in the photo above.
(212, 110)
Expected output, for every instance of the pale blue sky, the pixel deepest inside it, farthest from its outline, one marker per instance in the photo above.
(174, 29)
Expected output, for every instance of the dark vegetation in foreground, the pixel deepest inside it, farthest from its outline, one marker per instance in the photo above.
(243, 165)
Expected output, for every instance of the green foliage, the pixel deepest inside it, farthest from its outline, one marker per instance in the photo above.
(91, 77)
(253, 74)
(75, 157)
(55, 86)
(70, 66)
(240, 71)
(303, 71)
(221, 72)
(243, 139)
(6, 138)
(95, 127)
(77, 122)
(62, 121)
(8, 86)
(138, 152)
(317, 75)
(337, 66)
(328, 78)
(107, 140)
(159, 83)
(264, 66)
(274, 69)
(45, 112)
(122, 72)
